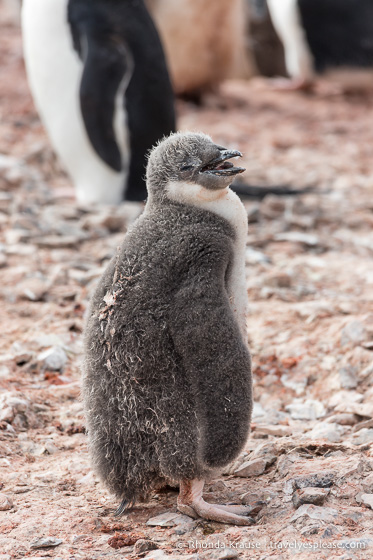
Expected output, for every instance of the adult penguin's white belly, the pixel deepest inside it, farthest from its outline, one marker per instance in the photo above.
(55, 72)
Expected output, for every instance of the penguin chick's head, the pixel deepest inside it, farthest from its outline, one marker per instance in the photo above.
(190, 159)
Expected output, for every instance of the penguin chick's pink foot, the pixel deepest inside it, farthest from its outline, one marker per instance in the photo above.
(291, 84)
(190, 502)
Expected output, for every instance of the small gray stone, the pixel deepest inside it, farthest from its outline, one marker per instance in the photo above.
(366, 372)
(298, 237)
(315, 512)
(143, 545)
(168, 519)
(253, 256)
(184, 528)
(251, 468)
(329, 532)
(344, 419)
(306, 410)
(33, 289)
(327, 430)
(310, 529)
(223, 554)
(348, 378)
(277, 431)
(310, 495)
(363, 436)
(366, 499)
(323, 479)
(367, 484)
(158, 555)
(4, 372)
(53, 359)
(45, 542)
(6, 502)
(354, 332)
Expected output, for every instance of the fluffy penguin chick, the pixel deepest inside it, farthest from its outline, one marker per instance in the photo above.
(167, 382)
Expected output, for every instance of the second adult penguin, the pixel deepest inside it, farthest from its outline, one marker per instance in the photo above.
(332, 37)
(167, 384)
(99, 79)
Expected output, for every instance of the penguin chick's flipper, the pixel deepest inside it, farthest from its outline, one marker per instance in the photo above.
(105, 67)
(216, 358)
(258, 193)
(191, 503)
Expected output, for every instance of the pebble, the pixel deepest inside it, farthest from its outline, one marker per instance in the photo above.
(354, 332)
(315, 512)
(184, 528)
(327, 430)
(278, 280)
(33, 289)
(255, 467)
(306, 410)
(4, 372)
(258, 411)
(11, 405)
(158, 555)
(57, 241)
(298, 237)
(366, 372)
(310, 495)
(224, 554)
(45, 542)
(6, 502)
(267, 451)
(362, 436)
(168, 519)
(310, 529)
(253, 257)
(344, 419)
(361, 409)
(323, 479)
(348, 378)
(53, 359)
(276, 431)
(297, 386)
(143, 545)
(367, 484)
(366, 499)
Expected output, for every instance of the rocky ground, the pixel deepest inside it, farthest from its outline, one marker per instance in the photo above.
(307, 471)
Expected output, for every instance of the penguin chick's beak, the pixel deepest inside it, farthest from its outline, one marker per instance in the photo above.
(220, 165)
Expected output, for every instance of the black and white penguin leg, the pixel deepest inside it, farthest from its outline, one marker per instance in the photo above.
(298, 58)
(191, 503)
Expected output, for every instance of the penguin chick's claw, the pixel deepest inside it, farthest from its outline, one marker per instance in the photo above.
(191, 503)
(123, 506)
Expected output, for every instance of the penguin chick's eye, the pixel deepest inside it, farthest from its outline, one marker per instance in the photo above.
(186, 167)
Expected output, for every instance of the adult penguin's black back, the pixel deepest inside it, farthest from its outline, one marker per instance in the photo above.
(99, 78)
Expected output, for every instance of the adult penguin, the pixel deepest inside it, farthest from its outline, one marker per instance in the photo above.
(99, 78)
(322, 36)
